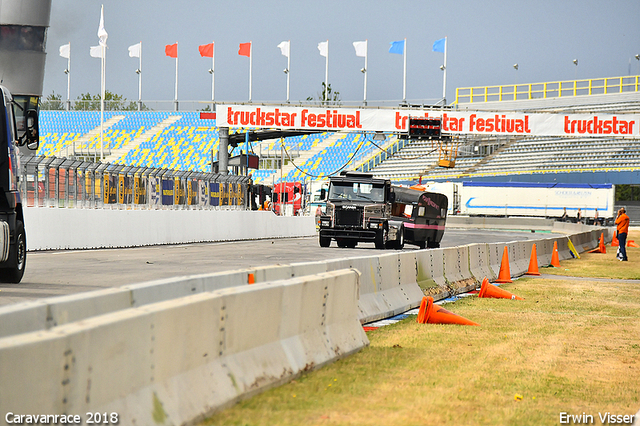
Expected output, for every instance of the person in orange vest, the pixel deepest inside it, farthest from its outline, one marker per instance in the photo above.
(622, 221)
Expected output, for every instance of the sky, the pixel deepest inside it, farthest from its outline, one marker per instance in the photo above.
(485, 39)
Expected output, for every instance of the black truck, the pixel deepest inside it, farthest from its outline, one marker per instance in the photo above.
(361, 208)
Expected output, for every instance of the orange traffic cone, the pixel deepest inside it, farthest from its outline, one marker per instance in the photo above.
(555, 259)
(533, 262)
(601, 248)
(631, 243)
(434, 314)
(251, 279)
(614, 241)
(491, 291)
(504, 276)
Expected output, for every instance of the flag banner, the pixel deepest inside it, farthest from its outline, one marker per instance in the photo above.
(439, 45)
(285, 47)
(361, 48)
(245, 49)
(102, 33)
(323, 47)
(206, 50)
(65, 51)
(135, 50)
(171, 50)
(453, 122)
(397, 47)
(95, 51)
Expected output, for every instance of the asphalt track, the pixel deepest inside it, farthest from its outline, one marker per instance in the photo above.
(55, 273)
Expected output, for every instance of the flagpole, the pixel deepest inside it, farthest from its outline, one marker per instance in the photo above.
(444, 75)
(250, 66)
(288, 69)
(366, 70)
(69, 79)
(102, 102)
(326, 75)
(140, 80)
(213, 74)
(404, 78)
(176, 92)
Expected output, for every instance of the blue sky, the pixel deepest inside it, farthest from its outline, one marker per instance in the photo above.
(485, 40)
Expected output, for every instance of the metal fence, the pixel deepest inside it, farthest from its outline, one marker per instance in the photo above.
(70, 183)
(552, 89)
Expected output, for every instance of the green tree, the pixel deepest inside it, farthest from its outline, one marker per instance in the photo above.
(327, 96)
(52, 102)
(112, 102)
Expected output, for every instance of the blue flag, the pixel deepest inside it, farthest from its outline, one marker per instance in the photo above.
(397, 47)
(438, 45)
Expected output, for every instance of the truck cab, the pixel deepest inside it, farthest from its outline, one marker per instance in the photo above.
(361, 208)
(18, 127)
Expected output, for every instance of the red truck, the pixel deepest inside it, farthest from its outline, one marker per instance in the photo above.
(287, 198)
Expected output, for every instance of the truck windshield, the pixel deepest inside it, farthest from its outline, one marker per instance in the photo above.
(355, 191)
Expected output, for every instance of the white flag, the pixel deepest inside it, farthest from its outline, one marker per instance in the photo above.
(361, 48)
(65, 51)
(102, 33)
(95, 51)
(284, 48)
(323, 47)
(134, 51)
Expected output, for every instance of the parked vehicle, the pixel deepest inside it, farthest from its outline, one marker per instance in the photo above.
(287, 198)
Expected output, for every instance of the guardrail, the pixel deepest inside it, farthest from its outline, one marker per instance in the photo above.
(552, 89)
(71, 183)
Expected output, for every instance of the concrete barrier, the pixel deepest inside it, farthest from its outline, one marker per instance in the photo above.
(456, 270)
(54, 229)
(430, 273)
(479, 262)
(176, 361)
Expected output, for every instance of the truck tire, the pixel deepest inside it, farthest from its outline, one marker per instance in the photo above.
(17, 256)
(433, 244)
(421, 245)
(324, 241)
(400, 241)
(381, 238)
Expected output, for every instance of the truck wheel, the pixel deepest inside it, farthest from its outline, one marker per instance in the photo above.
(381, 238)
(17, 256)
(421, 244)
(341, 243)
(433, 244)
(351, 244)
(399, 243)
(324, 241)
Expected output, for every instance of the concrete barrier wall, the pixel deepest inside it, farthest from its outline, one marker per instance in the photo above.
(54, 229)
(178, 360)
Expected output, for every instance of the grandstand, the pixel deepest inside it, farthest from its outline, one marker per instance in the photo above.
(182, 141)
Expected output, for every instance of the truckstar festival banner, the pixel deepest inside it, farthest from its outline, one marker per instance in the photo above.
(453, 122)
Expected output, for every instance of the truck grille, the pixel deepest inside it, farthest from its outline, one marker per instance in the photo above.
(348, 217)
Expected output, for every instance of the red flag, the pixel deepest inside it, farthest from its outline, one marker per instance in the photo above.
(206, 50)
(171, 50)
(245, 49)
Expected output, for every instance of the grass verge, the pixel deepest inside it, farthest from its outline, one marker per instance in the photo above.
(571, 346)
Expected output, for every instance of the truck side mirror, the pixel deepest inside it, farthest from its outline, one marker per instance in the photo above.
(392, 197)
(323, 194)
(31, 129)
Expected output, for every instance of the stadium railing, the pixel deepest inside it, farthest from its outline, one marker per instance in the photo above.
(552, 89)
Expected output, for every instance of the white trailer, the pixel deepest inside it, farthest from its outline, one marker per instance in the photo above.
(536, 199)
